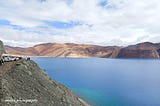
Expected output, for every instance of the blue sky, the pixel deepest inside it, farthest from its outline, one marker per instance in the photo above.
(103, 3)
(62, 25)
(55, 24)
(100, 22)
(4, 22)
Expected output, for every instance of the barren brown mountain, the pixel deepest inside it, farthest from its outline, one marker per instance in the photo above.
(65, 50)
(141, 50)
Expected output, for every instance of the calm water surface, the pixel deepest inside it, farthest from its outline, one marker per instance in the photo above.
(108, 82)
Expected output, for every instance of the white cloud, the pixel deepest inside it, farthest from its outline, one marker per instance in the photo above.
(124, 22)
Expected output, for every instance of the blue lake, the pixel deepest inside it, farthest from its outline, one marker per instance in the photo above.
(108, 82)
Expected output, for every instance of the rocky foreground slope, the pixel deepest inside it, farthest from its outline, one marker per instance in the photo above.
(141, 50)
(23, 83)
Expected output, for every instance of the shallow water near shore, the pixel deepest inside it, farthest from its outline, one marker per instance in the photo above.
(107, 82)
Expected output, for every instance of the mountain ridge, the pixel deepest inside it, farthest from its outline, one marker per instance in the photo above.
(63, 50)
(140, 50)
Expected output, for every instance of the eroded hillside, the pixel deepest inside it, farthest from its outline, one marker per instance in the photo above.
(141, 50)
(24, 81)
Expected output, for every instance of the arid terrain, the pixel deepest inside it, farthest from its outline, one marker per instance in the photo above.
(141, 50)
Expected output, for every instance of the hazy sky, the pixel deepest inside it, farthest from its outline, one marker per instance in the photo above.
(100, 22)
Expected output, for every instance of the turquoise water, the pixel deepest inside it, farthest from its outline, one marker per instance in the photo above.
(108, 82)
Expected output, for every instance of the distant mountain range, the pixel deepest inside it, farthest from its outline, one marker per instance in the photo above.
(141, 50)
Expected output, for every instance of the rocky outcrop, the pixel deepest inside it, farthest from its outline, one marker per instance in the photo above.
(158, 51)
(23, 83)
(1, 47)
(142, 50)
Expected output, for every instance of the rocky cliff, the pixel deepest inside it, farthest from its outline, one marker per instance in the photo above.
(1, 47)
(23, 83)
(141, 50)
